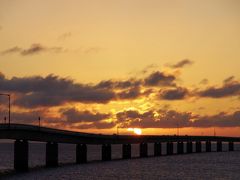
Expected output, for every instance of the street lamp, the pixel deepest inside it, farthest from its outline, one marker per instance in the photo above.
(9, 107)
(39, 121)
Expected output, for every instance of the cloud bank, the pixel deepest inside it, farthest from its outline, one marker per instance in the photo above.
(35, 48)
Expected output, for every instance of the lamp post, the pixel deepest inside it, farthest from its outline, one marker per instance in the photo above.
(177, 127)
(117, 130)
(9, 107)
(39, 121)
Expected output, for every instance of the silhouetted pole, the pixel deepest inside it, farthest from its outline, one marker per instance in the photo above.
(39, 121)
(5, 120)
(9, 107)
(117, 130)
(177, 128)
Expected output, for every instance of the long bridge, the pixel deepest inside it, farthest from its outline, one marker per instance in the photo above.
(22, 134)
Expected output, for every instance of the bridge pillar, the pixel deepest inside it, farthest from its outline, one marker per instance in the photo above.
(21, 155)
(169, 148)
(106, 152)
(157, 149)
(189, 147)
(219, 146)
(126, 151)
(81, 153)
(143, 150)
(51, 154)
(198, 146)
(180, 148)
(231, 146)
(208, 146)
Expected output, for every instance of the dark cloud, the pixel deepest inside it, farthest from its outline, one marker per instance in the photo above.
(131, 93)
(149, 68)
(133, 118)
(182, 64)
(119, 84)
(72, 118)
(174, 119)
(178, 93)
(97, 125)
(104, 125)
(52, 90)
(12, 50)
(86, 119)
(75, 116)
(220, 120)
(32, 50)
(69, 118)
(106, 84)
(2, 76)
(159, 79)
(151, 119)
(227, 90)
(229, 80)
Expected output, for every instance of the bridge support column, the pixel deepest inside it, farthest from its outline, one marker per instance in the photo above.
(51, 154)
(143, 150)
(180, 147)
(81, 153)
(126, 151)
(198, 146)
(169, 148)
(21, 155)
(208, 146)
(157, 149)
(219, 146)
(231, 146)
(189, 147)
(106, 152)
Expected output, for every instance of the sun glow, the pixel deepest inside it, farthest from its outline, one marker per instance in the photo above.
(137, 131)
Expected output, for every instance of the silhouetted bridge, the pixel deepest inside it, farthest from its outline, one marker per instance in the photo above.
(24, 133)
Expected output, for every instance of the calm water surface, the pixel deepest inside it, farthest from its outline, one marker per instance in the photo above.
(223, 165)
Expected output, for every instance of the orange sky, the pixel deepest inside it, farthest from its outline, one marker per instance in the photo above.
(95, 65)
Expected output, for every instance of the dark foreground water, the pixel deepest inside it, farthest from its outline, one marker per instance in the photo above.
(223, 165)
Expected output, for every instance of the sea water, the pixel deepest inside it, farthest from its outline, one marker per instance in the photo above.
(215, 165)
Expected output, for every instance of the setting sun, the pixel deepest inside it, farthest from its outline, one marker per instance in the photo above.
(137, 131)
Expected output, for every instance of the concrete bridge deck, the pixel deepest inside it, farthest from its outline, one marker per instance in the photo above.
(43, 134)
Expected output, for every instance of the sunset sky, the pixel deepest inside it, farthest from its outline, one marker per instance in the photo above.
(95, 65)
